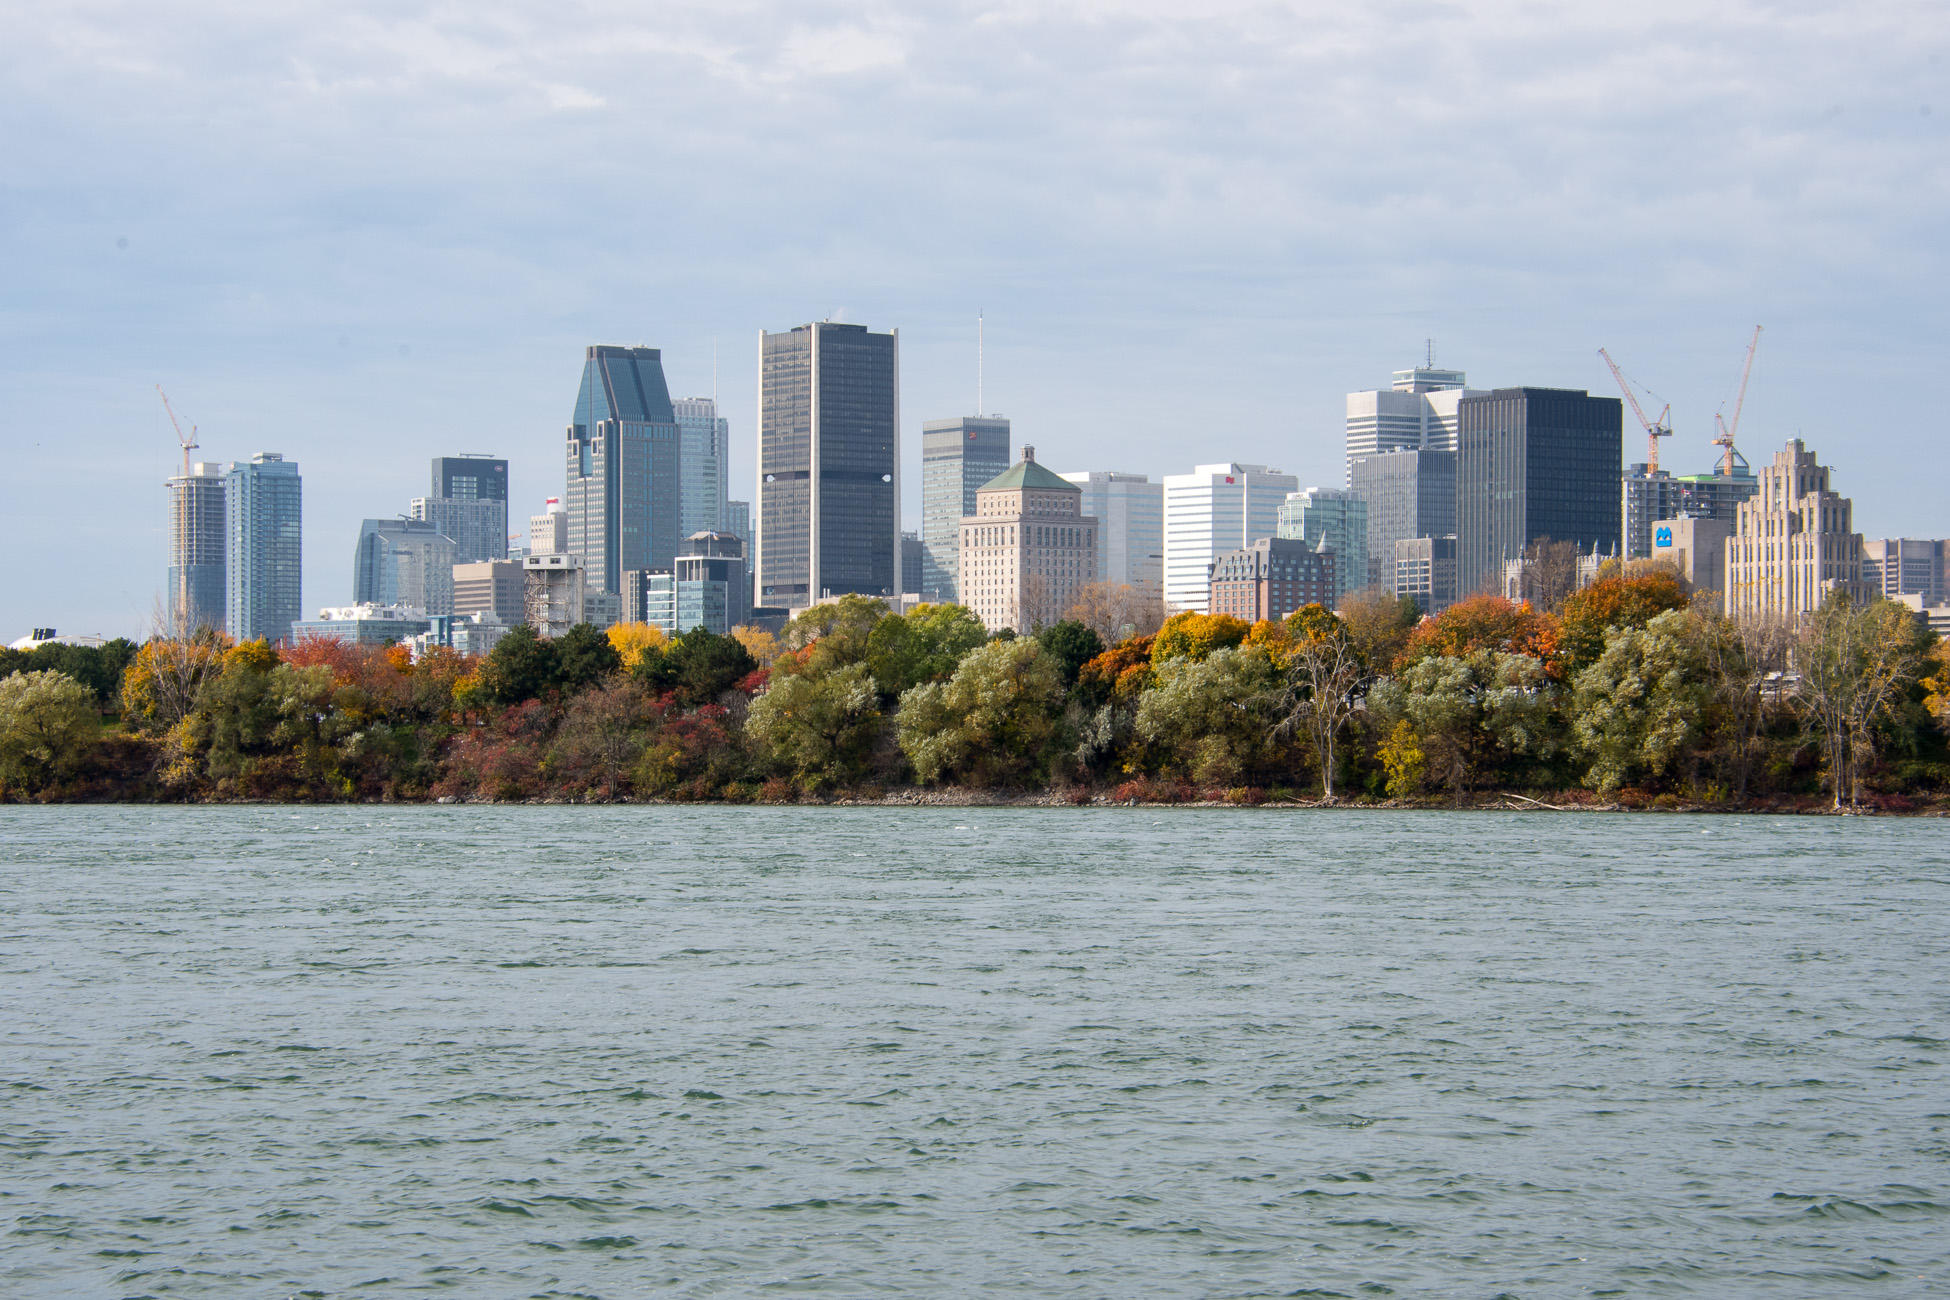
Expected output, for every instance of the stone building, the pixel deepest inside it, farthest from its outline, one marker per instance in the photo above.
(1027, 550)
(1793, 542)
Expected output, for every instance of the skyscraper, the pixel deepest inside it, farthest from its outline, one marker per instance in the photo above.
(263, 547)
(1130, 514)
(623, 462)
(828, 464)
(1026, 549)
(1338, 517)
(1793, 542)
(704, 438)
(957, 457)
(738, 522)
(196, 549)
(1213, 510)
(1534, 463)
(1418, 412)
(1409, 494)
(404, 562)
(468, 502)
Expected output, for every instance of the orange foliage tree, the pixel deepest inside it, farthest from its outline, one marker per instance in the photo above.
(1483, 623)
(1613, 602)
(1119, 673)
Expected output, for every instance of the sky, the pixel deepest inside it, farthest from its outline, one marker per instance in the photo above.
(366, 234)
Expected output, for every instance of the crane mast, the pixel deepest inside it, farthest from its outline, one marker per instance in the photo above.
(189, 441)
(1723, 436)
(1654, 429)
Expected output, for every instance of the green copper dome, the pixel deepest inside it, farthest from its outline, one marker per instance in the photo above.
(1026, 473)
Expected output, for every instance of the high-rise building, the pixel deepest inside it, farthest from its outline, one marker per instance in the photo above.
(1905, 566)
(710, 582)
(650, 596)
(1793, 543)
(957, 457)
(1417, 412)
(404, 562)
(263, 548)
(1335, 516)
(1651, 496)
(828, 464)
(468, 502)
(911, 563)
(489, 587)
(704, 439)
(1130, 514)
(1027, 550)
(548, 532)
(623, 466)
(196, 549)
(1272, 578)
(1534, 464)
(1212, 510)
(1425, 572)
(1409, 494)
(738, 522)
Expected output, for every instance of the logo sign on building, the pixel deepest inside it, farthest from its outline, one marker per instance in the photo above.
(1662, 537)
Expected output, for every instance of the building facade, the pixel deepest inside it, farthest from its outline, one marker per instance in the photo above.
(548, 532)
(1028, 549)
(1212, 510)
(363, 623)
(196, 549)
(1272, 578)
(1409, 494)
(623, 457)
(552, 593)
(1695, 548)
(1425, 572)
(468, 502)
(264, 551)
(492, 589)
(1531, 464)
(1130, 514)
(1652, 496)
(1418, 412)
(829, 464)
(1339, 517)
(1793, 542)
(404, 562)
(650, 596)
(711, 591)
(957, 457)
(704, 452)
(1905, 566)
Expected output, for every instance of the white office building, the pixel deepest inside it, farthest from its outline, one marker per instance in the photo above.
(1130, 514)
(1213, 510)
(548, 532)
(1417, 413)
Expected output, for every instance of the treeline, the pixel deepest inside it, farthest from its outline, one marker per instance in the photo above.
(1630, 691)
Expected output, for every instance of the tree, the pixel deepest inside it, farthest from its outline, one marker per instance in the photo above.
(1117, 675)
(1070, 645)
(1324, 675)
(99, 668)
(1482, 623)
(1214, 719)
(522, 666)
(1403, 760)
(1194, 636)
(1470, 714)
(818, 725)
(1857, 662)
(160, 686)
(991, 723)
(1742, 659)
(759, 644)
(1550, 573)
(1119, 611)
(1613, 602)
(1641, 705)
(698, 667)
(923, 645)
(844, 624)
(602, 735)
(633, 640)
(48, 721)
(1379, 622)
(1936, 686)
(584, 657)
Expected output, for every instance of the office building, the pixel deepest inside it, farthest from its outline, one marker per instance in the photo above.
(1130, 514)
(738, 522)
(1534, 464)
(263, 548)
(1905, 566)
(363, 623)
(1418, 412)
(829, 464)
(709, 589)
(911, 564)
(1272, 578)
(601, 609)
(1425, 572)
(957, 457)
(623, 461)
(1695, 548)
(548, 532)
(1934, 617)
(468, 501)
(1027, 550)
(552, 593)
(1651, 496)
(1336, 516)
(491, 588)
(1409, 494)
(1212, 510)
(1793, 542)
(403, 562)
(196, 549)
(650, 596)
(704, 450)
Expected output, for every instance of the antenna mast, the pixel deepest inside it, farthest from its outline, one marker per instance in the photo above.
(978, 361)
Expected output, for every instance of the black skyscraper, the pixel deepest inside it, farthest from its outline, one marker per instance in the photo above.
(828, 464)
(1534, 463)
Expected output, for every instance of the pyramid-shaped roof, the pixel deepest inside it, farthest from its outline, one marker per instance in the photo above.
(1026, 473)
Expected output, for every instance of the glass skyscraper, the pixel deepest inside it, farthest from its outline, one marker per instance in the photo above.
(469, 503)
(957, 457)
(704, 439)
(263, 548)
(404, 562)
(623, 463)
(1534, 464)
(1409, 494)
(1342, 518)
(828, 464)
(197, 544)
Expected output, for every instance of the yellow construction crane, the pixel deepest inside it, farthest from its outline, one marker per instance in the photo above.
(189, 442)
(1722, 431)
(1654, 429)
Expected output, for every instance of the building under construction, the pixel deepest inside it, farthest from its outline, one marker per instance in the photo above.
(196, 549)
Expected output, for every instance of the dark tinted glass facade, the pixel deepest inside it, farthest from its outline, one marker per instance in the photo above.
(957, 457)
(829, 467)
(470, 478)
(622, 462)
(1534, 463)
(1409, 494)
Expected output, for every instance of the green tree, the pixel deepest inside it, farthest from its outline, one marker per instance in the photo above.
(840, 626)
(48, 723)
(820, 726)
(584, 657)
(992, 723)
(99, 668)
(1214, 719)
(923, 645)
(1587, 615)
(1071, 645)
(1857, 663)
(1471, 714)
(522, 666)
(1641, 706)
(698, 667)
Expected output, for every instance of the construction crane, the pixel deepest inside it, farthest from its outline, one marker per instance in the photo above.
(1654, 429)
(1723, 431)
(189, 442)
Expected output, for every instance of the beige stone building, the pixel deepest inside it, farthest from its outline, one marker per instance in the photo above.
(1793, 542)
(1028, 549)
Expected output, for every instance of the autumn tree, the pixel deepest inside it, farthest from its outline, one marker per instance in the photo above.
(1857, 662)
(1325, 674)
(1478, 623)
(632, 640)
(1118, 675)
(1379, 622)
(989, 724)
(1613, 602)
(1119, 611)
(1194, 636)
(161, 683)
(1550, 573)
(1470, 714)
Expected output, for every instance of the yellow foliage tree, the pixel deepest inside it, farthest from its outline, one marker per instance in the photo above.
(1402, 758)
(1194, 636)
(759, 644)
(632, 641)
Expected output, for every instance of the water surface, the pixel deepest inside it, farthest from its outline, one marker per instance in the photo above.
(954, 1052)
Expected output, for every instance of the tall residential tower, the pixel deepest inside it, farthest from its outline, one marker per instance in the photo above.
(263, 548)
(196, 549)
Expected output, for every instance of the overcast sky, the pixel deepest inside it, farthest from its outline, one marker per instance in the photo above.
(365, 234)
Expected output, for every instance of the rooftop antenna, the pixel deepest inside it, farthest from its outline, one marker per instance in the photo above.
(1430, 363)
(714, 374)
(978, 361)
